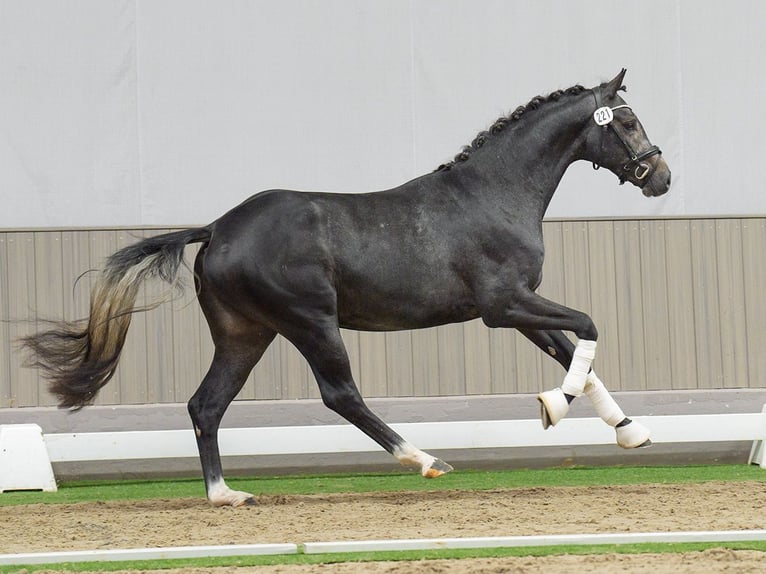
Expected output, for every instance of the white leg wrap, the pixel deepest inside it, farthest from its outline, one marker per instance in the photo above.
(631, 435)
(553, 404)
(574, 382)
(606, 407)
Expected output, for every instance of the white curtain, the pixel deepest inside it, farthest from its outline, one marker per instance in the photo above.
(170, 112)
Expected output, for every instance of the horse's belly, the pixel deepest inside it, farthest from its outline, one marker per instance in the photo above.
(374, 310)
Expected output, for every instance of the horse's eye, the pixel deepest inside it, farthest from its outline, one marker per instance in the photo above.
(630, 125)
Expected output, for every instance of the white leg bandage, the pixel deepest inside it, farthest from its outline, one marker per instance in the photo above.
(606, 407)
(574, 382)
(631, 435)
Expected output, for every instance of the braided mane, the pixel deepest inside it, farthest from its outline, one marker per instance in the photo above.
(502, 122)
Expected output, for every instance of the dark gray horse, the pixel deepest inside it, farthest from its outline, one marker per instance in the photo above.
(462, 242)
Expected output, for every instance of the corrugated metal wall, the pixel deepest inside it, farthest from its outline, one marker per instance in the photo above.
(679, 304)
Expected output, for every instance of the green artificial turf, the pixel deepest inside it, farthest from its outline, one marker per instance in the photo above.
(389, 482)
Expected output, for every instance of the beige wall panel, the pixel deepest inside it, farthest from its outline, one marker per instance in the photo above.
(21, 312)
(373, 376)
(478, 369)
(48, 291)
(680, 289)
(754, 256)
(265, 379)
(425, 362)
(450, 339)
(706, 305)
(576, 262)
(399, 364)
(528, 372)
(603, 308)
(502, 361)
(630, 322)
(655, 304)
(678, 303)
(731, 297)
(6, 395)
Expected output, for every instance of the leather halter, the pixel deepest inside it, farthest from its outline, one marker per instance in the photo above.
(640, 170)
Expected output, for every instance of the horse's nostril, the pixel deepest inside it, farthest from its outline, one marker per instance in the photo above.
(668, 181)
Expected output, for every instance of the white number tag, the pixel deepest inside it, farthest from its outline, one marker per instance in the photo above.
(603, 116)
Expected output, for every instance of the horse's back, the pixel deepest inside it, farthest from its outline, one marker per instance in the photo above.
(378, 260)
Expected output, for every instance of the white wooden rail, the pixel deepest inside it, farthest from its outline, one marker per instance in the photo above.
(427, 436)
(127, 445)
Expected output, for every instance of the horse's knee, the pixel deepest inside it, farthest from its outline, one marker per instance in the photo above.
(341, 400)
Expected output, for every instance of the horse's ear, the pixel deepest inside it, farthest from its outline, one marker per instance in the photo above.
(611, 88)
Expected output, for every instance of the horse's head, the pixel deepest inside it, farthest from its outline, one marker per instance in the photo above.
(619, 143)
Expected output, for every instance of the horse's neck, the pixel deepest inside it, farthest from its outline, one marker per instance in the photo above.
(524, 166)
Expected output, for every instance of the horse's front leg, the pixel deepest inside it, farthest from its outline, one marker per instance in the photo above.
(532, 314)
(630, 434)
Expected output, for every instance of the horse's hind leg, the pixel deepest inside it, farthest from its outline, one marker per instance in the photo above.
(325, 352)
(630, 434)
(233, 360)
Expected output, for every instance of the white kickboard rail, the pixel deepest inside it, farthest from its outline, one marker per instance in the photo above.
(129, 445)
(126, 445)
(24, 460)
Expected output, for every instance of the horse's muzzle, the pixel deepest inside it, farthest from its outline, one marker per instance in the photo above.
(658, 182)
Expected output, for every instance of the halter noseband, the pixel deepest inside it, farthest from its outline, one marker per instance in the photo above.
(603, 116)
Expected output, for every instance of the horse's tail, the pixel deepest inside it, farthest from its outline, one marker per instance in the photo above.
(78, 358)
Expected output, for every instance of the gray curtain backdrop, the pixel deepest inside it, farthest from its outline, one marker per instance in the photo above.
(169, 112)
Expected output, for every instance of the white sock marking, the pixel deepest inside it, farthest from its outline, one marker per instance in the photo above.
(218, 494)
(408, 455)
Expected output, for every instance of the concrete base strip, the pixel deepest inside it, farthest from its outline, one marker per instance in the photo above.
(169, 553)
(538, 540)
(379, 545)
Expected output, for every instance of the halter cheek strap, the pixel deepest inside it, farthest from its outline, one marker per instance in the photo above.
(603, 116)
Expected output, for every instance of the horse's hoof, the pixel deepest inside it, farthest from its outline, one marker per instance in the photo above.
(244, 501)
(224, 496)
(633, 435)
(437, 468)
(553, 406)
